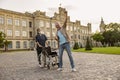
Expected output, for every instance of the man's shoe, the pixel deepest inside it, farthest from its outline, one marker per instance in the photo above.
(59, 69)
(74, 70)
(41, 66)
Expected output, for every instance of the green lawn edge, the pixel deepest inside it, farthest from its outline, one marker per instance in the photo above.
(100, 50)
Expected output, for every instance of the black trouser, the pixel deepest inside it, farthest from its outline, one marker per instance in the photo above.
(39, 50)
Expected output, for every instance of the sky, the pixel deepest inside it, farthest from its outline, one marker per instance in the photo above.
(87, 11)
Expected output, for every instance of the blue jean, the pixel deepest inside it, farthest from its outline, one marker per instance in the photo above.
(65, 46)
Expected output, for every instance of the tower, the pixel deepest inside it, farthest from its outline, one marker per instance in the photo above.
(102, 25)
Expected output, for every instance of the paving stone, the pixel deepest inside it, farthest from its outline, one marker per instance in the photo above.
(24, 66)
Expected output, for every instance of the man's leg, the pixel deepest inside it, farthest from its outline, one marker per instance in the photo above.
(60, 56)
(39, 55)
(67, 47)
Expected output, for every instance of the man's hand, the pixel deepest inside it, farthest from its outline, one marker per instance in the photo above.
(64, 25)
(66, 14)
(38, 44)
(56, 38)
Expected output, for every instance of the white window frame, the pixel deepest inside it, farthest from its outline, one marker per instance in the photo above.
(17, 33)
(9, 32)
(47, 24)
(71, 28)
(24, 33)
(53, 25)
(25, 44)
(75, 28)
(67, 28)
(24, 23)
(53, 33)
(17, 22)
(17, 44)
(9, 21)
(1, 20)
(48, 34)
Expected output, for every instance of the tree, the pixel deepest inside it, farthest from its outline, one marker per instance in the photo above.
(111, 34)
(97, 37)
(88, 44)
(3, 41)
(111, 37)
(2, 38)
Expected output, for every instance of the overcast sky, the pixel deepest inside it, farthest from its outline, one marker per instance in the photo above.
(87, 11)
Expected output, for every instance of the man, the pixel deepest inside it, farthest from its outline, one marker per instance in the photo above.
(41, 40)
(64, 43)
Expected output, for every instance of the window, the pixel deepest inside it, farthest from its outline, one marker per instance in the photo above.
(74, 28)
(24, 33)
(48, 43)
(67, 28)
(31, 44)
(17, 44)
(9, 32)
(47, 24)
(30, 24)
(25, 44)
(41, 23)
(24, 23)
(17, 33)
(1, 20)
(71, 28)
(10, 44)
(75, 36)
(9, 21)
(53, 34)
(48, 34)
(30, 34)
(78, 36)
(53, 25)
(17, 22)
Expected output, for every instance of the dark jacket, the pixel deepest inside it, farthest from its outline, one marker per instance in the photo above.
(41, 39)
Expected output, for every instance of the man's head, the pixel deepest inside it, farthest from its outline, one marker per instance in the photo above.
(57, 25)
(38, 30)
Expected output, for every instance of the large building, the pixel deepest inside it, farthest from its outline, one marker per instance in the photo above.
(20, 28)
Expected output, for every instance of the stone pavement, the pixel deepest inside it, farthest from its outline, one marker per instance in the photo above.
(24, 66)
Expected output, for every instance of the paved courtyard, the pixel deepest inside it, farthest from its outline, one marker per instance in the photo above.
(24, 66)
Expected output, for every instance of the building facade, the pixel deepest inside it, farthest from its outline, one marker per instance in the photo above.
(20, 28)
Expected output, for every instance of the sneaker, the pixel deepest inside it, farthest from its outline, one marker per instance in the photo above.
(41, 66)
(59, 69)
(74, 70)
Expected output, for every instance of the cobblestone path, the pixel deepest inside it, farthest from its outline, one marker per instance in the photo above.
(24, 66)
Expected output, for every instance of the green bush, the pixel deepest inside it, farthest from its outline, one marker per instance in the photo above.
(76, 46)
(88, 44)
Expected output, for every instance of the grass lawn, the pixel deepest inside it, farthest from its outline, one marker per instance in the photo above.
(102, 50)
